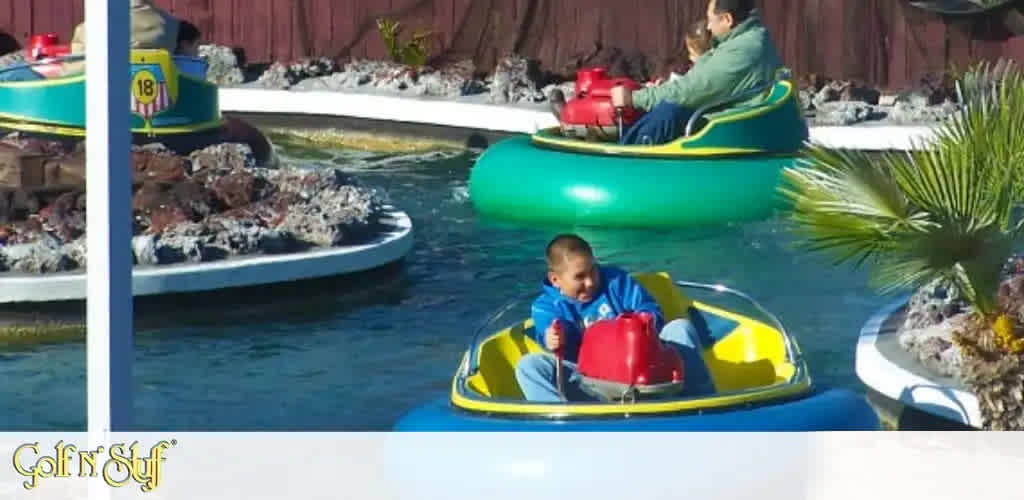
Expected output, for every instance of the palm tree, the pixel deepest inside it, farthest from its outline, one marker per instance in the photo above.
(946, 211)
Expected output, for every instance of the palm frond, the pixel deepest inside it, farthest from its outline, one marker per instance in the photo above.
(942, 211)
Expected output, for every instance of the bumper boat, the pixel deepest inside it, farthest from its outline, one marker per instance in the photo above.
(169, 97)
(726, 167)
(758, 379)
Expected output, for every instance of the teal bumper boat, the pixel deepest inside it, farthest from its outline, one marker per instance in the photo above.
(727, 170)
(169, 97)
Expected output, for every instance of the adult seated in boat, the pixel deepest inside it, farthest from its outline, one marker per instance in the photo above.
(744, 56)
(577, 293)
(151, 28)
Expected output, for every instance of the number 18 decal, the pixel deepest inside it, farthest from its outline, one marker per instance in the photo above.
(144, 87)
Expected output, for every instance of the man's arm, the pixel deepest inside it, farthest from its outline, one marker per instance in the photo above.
(714, 79)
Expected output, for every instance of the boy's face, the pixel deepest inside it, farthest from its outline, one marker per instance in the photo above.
(577, 278)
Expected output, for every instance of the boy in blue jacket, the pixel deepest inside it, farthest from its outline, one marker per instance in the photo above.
(577, 293)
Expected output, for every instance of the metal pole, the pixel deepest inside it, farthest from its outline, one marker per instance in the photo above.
(108, 219)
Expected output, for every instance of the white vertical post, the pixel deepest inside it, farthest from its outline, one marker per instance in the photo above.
(108, 218)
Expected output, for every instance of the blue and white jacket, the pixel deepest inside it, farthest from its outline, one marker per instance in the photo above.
(618, 293)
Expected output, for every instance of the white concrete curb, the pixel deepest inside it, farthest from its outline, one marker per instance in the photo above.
(892, 380)
(498, 118)
(237, 272)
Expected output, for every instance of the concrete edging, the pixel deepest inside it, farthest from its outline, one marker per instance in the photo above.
(236, 272)
(900, 384)
(501, 118)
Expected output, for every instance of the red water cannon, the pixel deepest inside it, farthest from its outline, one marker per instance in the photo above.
(623, 358)
(45, 46)
(590, 113)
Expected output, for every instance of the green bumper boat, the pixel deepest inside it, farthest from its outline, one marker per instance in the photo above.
(169, 96)
(728, 170)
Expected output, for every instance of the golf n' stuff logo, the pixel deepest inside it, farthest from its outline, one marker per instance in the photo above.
(118, 465)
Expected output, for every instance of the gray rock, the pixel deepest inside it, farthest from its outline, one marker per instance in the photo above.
(144, 249)
(843, 112)
(276, 242)
(261, 210)
(180, 246)
(275, 77)
(915, 99)
(933, 346)
(904, 112)
(806, 99)
(77, 250)
(827, 94)
(42, 256)
(222, 65)
(236, 235)
(933, 304)
(334, 210)
(511, 82)
(228, 156)
(568, 90)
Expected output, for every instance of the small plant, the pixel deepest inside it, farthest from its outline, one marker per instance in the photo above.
(412, 53)
(949, 212)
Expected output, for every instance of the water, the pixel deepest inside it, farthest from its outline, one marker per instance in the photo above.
(355, 353)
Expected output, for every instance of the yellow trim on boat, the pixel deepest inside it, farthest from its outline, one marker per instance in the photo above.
(45, 128)
(655, 151)
(676, 148)
(706, 403)
(754, 112)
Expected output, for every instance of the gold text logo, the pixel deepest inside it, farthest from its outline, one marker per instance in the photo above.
(118, 465)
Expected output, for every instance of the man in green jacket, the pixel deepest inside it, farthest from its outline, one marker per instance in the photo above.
(744, 56)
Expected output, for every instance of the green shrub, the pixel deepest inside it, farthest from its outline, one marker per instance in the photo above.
(411, 53)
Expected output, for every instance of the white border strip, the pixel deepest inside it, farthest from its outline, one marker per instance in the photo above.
(897, 383)
(236, 272)
(109, 332)
(499, 118)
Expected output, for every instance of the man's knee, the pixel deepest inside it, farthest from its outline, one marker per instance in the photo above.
(668, 111)
(662, 124)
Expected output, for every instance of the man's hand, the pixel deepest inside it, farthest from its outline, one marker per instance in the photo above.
(621, 97)
(553, 336)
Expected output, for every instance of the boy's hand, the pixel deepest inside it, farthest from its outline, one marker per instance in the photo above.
(553, 336)
(621, 97)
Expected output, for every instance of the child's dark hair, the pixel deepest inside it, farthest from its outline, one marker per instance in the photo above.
(187, 32)
(564, 245)
(699, 36)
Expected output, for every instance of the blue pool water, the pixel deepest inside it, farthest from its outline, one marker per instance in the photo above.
(355, 353)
